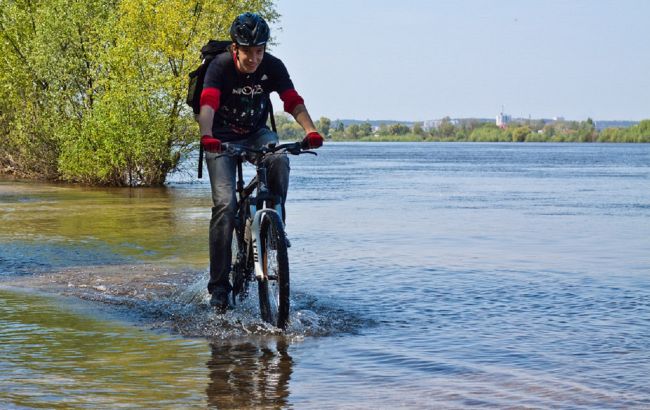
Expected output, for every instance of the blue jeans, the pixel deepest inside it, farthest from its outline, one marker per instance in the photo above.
(222, 169)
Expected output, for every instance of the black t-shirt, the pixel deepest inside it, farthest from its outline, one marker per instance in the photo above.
(243, 103)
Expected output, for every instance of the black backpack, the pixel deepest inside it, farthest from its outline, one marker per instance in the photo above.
(195, 86)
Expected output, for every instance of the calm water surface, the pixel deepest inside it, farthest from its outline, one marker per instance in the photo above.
(424, 275)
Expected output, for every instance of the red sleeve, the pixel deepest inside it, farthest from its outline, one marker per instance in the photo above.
(210, 96)
(291, 99)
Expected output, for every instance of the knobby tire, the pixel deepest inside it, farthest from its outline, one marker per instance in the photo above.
(274, 293)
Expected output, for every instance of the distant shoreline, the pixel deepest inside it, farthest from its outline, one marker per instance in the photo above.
(455, 130)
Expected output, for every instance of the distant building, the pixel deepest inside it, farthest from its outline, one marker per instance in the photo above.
(503, 120)
(432, 124)
(429, 125)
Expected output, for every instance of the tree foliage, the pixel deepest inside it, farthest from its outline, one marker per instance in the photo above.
(93, 91)
(288, 128)
(324, 125)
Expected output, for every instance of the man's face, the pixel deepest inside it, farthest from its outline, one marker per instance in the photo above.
(249, 58)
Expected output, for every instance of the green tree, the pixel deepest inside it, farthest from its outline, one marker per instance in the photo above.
(323, 125)
(398, 129)
(96, 88)
(643, 131)
(519, 134)
(365, 129)
(461, 134)
(288, 128)
(446, 129)
(486, 134)
(549, 131)
(352, 131)
(644, 127)
(383, 129)
(418, 129)
(587, 131)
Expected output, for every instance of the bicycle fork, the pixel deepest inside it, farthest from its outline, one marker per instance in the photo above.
(258, 219)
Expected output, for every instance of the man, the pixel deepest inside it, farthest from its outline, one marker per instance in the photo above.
(234, 108)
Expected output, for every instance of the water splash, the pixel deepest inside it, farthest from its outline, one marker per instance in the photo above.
(189, 313)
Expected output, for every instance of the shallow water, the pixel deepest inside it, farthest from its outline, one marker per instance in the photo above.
(54, 357)
(424, 275)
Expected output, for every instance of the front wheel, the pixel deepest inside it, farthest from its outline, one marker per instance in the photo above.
(274, 290)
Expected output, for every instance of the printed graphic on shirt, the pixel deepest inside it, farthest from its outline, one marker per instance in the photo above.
(249, 90)
(244, 98)
(245, 108)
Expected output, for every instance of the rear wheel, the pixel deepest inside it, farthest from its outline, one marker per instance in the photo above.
(274, 290)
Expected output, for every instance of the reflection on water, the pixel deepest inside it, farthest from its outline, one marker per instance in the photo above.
(249, 374)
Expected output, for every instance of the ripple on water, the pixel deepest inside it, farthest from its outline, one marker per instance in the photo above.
(56, 358)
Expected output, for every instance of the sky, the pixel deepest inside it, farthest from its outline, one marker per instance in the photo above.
(418, 60)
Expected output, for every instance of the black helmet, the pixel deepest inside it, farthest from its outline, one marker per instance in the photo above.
(249, 29)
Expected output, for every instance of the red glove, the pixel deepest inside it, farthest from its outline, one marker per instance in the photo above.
(312, 140)
(211, 144)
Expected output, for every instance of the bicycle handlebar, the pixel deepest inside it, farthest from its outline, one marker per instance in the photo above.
(294, 148)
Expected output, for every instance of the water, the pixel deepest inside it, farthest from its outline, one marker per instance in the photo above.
(424, 275)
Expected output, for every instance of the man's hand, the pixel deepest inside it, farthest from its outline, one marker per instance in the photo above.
(312, 140)
(211, 144)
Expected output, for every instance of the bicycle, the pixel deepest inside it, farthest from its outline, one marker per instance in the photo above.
(259, 244)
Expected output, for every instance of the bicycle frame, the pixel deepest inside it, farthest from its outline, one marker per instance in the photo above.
(258, 206)
(254, 203)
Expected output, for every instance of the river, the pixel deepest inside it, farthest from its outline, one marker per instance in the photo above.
(424, 275)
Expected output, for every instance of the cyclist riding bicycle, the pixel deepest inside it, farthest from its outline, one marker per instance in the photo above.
(234, 108)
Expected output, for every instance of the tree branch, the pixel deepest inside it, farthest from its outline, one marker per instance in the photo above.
(89, 78)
